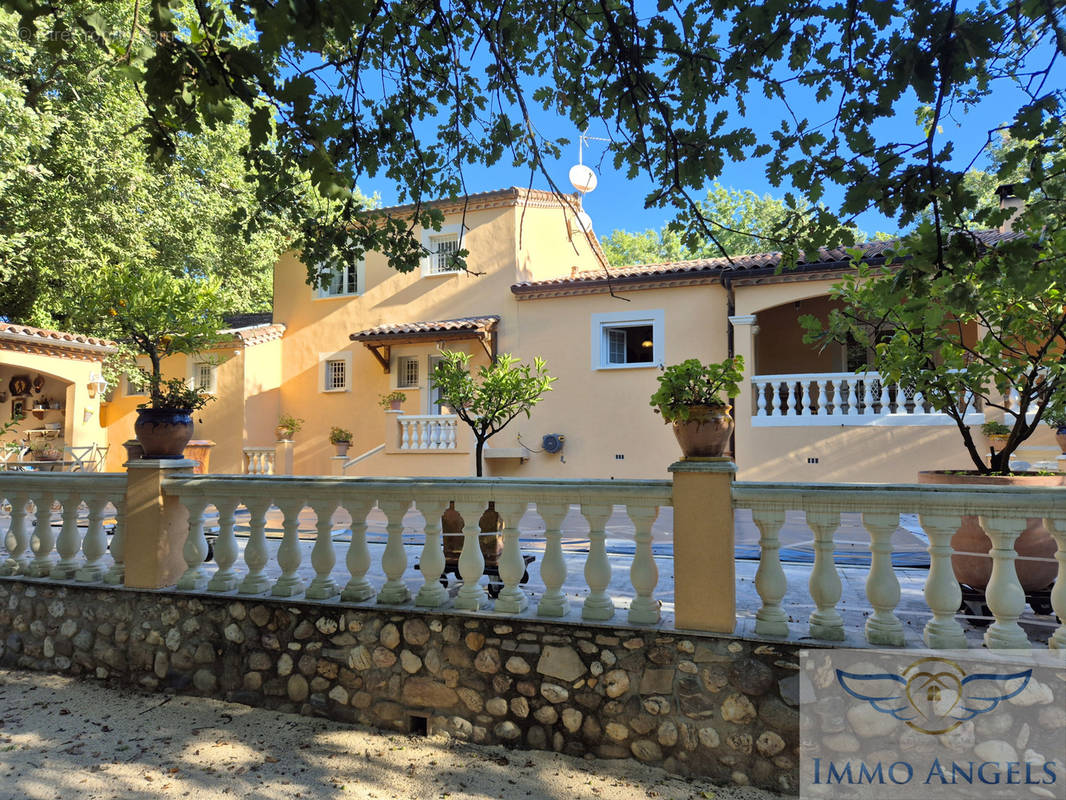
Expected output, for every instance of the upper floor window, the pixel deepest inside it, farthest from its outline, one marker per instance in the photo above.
(627, 339)
(441, 247)
(345, 281)
(204, 376)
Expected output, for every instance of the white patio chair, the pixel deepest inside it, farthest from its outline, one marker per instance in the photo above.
(83, 457)
(100, 457)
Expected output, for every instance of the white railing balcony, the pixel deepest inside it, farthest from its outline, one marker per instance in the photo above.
(259, 460)
(428, 432)
(843, 398)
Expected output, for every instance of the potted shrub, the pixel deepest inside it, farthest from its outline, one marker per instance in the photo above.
(43, 450)
(996, 432)
(341, 439)
(392, 401)
(694, 397)
(1056, 420)
(287, 427)
(164, 424)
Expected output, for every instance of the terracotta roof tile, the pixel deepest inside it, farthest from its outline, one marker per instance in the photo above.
(60, 338)
(460, 325)
(827, 258)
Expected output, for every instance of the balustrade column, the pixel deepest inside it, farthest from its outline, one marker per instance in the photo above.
(770, 580)
(792, 391)
(116, 574)
(942, 592)
(17, 540)
(226, 551)
(1004, 594)
(195, 550)
(43, 537)
(255, 551)
(823, 396)
(405, 435)
(825, 586)
(431, 594)
(1057, 527)
(289, 554)
(868, 395)
(357, 560)
(394, 559)
(553, 568)
(472, 596)
(94, 545)
(886, 399)
(805, 398)
(511, 599)
(643, 574)
(882, 586)
(598, 604)
(760, 398)
(68, 544)
(323, 559)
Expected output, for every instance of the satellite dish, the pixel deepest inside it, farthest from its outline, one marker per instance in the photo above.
(585, 220)
(582, 178)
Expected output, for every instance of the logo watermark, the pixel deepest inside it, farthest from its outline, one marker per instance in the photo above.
(912, 725)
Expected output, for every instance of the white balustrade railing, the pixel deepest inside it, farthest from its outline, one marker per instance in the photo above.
(842, 398)
(1003, 512)
(415, 507)
(58, 526)
(259, 460)
(428, 431)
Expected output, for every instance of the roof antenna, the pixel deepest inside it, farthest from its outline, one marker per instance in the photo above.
(582, 178)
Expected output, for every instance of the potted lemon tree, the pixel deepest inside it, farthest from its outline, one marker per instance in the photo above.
(341, 439)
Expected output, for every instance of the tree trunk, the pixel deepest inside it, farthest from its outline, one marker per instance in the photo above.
(478, 450)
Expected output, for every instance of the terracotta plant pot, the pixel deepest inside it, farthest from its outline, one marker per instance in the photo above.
(1060, 437)
(283, 434)
(1034, 541)
(50, 454)
(395, 405)
(163, 432)
(342, 448)
(707, 432)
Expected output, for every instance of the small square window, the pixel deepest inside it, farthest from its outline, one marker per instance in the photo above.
(441, 250)
(406, 372)
(627, 339)
(336, 375)
(204, 377)
(344, 281)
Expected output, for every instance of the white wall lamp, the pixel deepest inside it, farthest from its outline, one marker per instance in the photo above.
(97, 385)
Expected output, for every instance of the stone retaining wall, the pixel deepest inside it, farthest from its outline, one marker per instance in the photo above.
(702, 705)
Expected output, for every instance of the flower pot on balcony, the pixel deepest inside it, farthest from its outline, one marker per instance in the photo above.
(1060, 437)
(706, 433)
(342, 448)
(163, 432)
(975, 571)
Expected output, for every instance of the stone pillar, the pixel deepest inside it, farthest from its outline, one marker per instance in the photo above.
(392, 431)
(705, 596)
(744, 330)
(156, 525)
(336, 466)
(283, 457)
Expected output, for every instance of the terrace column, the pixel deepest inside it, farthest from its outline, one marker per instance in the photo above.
(283, 456)
(156, 525)
(744, 330)
(704, 566)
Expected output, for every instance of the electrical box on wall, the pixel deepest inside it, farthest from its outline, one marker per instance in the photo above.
(552, 442)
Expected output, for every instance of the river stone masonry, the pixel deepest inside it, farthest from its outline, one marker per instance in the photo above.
(692, 704)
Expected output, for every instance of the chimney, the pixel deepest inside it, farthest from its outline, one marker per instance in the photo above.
(1008, 200)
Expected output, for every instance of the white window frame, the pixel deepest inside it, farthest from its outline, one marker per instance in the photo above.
(131, 390)
(398, 372)
(324, 372)
(212, 384)
(323, 293)
(602, 323)
(429, 261)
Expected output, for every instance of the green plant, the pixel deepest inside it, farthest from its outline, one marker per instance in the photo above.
(386, 400)
(502, 391)
(176, 395)
(691, 383)
(995, 428)
(339, 436)
(289, 425)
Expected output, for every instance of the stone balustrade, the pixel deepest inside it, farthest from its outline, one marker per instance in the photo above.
(1004, 512)
(842, 398)
(259, 460)
(428, 432)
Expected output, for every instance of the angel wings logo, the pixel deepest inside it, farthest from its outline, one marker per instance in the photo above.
(934, 695)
